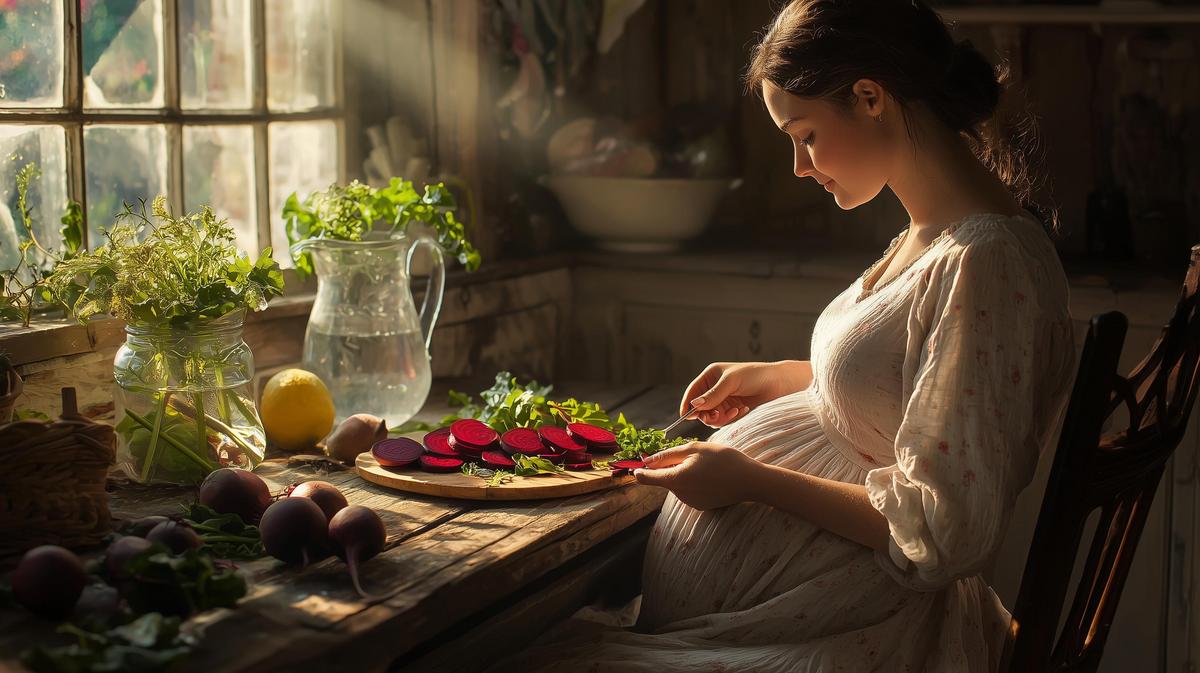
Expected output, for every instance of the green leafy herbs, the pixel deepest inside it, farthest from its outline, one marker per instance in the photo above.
(225, 536)
(509, 404)
(149, 643)
(636, 443)
(165, 270)
(352, 212)
(181, 585)
(531, 466)
(161, 589)
(176, 448)
(490, 476)
(25, 288)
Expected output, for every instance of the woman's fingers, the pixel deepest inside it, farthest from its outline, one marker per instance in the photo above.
(697, 387)
(669, 457)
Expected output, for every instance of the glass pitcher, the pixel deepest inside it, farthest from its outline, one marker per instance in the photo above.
(365, 338)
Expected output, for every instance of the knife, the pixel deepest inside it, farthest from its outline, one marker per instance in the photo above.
(682, 418)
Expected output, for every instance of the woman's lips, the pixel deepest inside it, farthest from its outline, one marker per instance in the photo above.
(829, 186)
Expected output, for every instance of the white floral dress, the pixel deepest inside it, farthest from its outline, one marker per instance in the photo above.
(937, 390)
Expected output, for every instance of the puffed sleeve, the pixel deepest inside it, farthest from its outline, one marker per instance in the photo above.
(967, 443)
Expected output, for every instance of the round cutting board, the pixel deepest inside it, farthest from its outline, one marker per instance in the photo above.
(457, 485)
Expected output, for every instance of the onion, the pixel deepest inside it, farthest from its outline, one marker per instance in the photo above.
(355, 435)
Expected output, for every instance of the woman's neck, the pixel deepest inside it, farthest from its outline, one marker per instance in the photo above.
(940, 181)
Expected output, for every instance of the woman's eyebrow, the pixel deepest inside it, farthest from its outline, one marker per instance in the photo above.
(784, 125)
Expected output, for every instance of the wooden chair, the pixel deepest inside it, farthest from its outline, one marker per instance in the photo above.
(1115, 471)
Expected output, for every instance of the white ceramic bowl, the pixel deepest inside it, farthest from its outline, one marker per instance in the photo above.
(639, 214)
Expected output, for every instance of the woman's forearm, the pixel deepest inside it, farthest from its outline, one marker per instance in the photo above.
(837, 507)
(795, 375)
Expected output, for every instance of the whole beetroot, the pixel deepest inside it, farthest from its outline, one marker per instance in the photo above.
(48, 581)
(233, 491)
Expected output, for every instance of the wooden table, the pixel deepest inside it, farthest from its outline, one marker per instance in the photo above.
(461, 580)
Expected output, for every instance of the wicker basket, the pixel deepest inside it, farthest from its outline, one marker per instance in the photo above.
(52, 477)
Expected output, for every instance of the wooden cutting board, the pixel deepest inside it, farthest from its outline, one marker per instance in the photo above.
(457, 485)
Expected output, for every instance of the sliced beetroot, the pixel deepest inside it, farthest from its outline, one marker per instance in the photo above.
(578, 467)
(463, 449)
(577, 457)
(589, 434)
(498, 460)
(626, 464)
(559, 440)
(556, 458)
(604, 448)
(471, 432)
(438, 443)
(397, 451)
(522, 440)
(439, 463)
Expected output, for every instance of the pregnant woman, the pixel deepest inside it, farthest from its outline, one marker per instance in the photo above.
(839, 518)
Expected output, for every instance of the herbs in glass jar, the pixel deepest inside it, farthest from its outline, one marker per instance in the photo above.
(184, 373)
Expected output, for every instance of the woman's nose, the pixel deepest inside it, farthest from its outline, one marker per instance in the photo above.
(803, 164)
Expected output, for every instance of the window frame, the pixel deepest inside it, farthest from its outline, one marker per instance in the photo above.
(72, 116)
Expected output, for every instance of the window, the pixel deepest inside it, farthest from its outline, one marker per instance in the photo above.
(231, 103)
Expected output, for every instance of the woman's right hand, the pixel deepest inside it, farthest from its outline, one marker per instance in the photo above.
(725, 391)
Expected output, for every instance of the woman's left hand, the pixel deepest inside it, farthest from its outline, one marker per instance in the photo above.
(701, 474)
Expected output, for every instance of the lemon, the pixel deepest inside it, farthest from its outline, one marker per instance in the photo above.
(297, 410)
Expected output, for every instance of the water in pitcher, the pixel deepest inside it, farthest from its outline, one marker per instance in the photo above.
(386, 374)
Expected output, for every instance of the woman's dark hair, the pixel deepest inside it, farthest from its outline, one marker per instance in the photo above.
(820, 48)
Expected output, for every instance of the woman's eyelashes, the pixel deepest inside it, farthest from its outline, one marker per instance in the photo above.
(808, 140)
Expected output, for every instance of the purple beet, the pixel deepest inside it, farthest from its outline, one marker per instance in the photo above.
(175, 536)
(233, 491)
(295, 531)
(48, 581)
(357, 534)
(326, 495)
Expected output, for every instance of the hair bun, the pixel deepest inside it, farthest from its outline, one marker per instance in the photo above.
(972, 85)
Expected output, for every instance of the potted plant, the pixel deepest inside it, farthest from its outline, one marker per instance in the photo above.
(365, 338)
(184, 398)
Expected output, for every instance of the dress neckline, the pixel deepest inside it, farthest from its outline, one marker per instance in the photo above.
(864, 292)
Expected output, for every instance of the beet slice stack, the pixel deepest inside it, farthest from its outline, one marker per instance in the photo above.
(397, 451)
(438, 443)
(522, 440)
(558, 441)
(472, 437)
(580, 461)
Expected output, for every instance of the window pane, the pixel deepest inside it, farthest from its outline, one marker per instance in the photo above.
(122, 53)
(299, 54)
(304, 159)
(218, 171)
(124, 163)
(214, 54)
(45, 146)
(31, 53)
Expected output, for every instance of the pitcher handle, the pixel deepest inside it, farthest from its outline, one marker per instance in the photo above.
(434, 289)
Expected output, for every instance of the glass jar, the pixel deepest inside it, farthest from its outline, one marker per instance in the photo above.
(185, 402)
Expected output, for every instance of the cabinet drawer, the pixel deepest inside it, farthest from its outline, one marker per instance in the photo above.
(671, 344)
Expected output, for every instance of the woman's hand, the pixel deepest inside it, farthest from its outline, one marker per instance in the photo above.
(725, 391)
(702, 475)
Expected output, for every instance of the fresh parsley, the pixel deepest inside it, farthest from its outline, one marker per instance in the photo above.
(160, 269)
(352, 212)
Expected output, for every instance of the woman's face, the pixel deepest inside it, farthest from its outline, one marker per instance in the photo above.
(845, 151)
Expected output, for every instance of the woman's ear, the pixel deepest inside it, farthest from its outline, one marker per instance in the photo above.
(871, 98)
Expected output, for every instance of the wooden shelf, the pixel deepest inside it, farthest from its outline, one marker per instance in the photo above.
(1116, 13)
